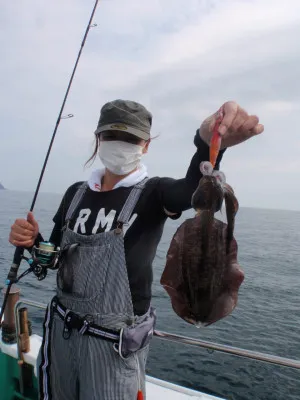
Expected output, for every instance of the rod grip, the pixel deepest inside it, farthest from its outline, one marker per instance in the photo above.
(13, 272)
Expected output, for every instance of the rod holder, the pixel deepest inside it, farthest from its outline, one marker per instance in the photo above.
(8, 324)
(24, 330)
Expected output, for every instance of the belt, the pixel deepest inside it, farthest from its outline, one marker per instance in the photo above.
(84, 325)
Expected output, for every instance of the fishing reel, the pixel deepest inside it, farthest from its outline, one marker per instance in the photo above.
(44, 257)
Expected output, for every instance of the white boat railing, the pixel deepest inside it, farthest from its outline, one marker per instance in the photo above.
(254, 355)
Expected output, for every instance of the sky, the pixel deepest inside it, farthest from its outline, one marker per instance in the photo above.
(182, 59)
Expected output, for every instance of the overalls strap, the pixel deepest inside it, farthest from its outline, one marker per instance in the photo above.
(76, 201)
(131, 202)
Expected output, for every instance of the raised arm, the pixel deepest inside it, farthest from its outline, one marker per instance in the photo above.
(176, 194)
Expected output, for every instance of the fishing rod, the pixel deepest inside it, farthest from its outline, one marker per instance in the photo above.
(18, 255)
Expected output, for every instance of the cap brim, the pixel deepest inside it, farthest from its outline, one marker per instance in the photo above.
(123, 128)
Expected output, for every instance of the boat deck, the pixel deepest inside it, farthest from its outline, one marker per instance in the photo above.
(156, 388)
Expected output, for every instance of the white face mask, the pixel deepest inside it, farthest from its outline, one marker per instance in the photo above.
(120, 157)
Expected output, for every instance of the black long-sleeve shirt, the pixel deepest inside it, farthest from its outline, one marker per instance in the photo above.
(98, 212)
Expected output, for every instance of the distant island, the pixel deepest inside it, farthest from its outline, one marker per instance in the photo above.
(1, 186)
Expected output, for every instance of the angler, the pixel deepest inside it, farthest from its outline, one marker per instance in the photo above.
(98, 327)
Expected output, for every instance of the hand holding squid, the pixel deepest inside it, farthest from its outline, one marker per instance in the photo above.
(234, 126)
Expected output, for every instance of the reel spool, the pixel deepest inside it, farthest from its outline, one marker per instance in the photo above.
(43, 257)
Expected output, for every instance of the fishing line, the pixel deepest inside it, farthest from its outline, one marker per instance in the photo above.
(18, 255)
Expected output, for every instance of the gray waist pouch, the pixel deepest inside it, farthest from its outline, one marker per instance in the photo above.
(134, 338)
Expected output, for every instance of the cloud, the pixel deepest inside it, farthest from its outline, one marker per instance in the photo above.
(182, 62)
